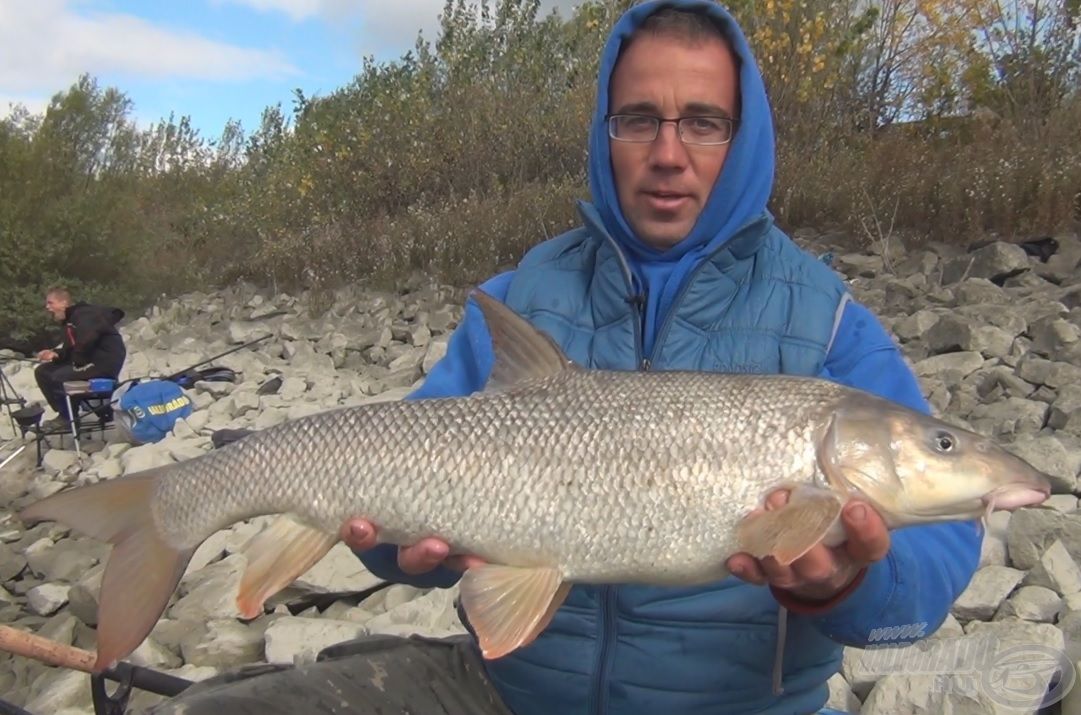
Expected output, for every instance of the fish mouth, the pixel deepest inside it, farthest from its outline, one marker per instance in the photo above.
(1016, 496)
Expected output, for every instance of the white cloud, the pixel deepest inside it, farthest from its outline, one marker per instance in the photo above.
(295, 9)
(382, 25)
(303, 9)
(299, 10)
(47, 44)
(397, 24)
(376, 22)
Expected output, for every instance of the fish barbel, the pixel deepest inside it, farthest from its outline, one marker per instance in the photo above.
(554, 475)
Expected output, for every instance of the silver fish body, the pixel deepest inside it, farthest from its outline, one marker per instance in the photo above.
(608, 476)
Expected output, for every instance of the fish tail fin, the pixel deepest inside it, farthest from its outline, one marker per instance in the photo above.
(143, 570)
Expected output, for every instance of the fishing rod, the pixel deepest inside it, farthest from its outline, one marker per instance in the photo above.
(128, 676)
(180, 373)
(11, 456)
(174, 375)
(31, 645)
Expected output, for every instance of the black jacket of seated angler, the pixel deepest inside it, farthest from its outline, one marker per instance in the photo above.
(91, 340)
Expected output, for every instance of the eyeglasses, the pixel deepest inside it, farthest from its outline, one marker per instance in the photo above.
(643, 128)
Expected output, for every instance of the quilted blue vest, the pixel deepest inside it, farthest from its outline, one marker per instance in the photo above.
(759, 304)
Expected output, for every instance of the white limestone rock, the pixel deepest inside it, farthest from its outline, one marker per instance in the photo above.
(46, 599)
(1056, 570)
(988, 588)
(1037, 604)
(291, 639)
(211, 592)
(222, 643)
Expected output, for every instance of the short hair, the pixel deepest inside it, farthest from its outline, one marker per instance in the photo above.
(689, 25)
(59, 292)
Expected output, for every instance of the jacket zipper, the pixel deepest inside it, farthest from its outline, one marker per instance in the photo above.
(663, 332)
(607, 606)
(604, 669)
(643, 362)
(608, 593)
(658, 339)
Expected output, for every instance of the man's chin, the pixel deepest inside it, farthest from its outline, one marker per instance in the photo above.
(661, 237)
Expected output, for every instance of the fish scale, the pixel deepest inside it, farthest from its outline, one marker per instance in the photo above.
(666, 461)
(553, 475)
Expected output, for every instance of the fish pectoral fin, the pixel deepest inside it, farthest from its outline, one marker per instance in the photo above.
(277, 556)
(521, 351)
(788, 532)
(508, 606)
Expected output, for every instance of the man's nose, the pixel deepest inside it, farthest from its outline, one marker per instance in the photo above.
(668, 149)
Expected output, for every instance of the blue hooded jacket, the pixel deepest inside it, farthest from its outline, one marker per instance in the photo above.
(632, 649)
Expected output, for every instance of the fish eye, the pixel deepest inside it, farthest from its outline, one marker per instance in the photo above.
(944, 441)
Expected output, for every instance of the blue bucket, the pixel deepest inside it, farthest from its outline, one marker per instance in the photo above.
(102, 384)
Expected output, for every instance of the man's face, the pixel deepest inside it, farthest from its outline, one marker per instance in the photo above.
(56, 306)
(663, 186)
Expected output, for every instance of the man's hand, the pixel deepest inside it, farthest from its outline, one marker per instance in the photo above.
(47, 355)
(421, 557)
(823, 571)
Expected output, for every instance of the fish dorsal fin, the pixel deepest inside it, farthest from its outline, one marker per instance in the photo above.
(522, 352)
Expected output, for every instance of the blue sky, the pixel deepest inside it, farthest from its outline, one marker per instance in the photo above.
(209, 59)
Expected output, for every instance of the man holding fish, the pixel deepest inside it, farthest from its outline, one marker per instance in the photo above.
(678, 242)
(686, 330)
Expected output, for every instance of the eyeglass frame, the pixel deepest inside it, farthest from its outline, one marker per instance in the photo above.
(732, 123)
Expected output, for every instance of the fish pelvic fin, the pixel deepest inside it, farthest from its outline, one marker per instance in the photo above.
(522, 352)
(788, 532)
(143, 569)
(509, 606)
(277, 555)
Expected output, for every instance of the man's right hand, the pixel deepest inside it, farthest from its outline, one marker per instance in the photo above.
(418, 558)
(47, 355)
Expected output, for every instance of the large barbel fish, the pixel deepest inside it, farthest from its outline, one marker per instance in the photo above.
(554, 474)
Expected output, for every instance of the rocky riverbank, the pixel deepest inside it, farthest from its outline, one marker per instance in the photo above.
(994, 335)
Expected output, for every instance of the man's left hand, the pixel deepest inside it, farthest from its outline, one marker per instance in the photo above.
(823, 571)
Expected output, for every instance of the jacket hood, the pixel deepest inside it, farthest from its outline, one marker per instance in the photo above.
(743, 188)
(106, 313)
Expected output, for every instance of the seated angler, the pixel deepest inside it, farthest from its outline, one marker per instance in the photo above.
(92, 347)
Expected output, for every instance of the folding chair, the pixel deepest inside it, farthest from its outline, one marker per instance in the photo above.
(89, 399)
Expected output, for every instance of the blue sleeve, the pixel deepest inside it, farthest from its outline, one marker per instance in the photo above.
(463, 370)
(928, 566)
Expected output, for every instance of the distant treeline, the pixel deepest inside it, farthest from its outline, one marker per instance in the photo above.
(940, 119)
